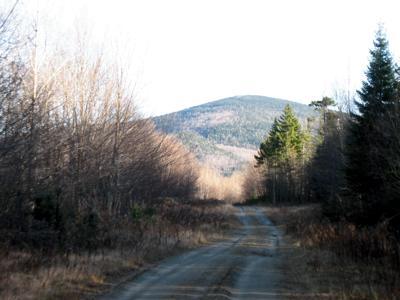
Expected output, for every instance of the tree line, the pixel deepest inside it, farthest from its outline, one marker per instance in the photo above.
(351, 162)
(75, 154)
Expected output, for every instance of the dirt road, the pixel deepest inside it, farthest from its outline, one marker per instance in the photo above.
(244, 266)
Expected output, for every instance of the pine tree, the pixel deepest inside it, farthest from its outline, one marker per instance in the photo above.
(269, 149)
(285, 140)
(280, 154)
(322, 106)
(326, 176)
(366, 165)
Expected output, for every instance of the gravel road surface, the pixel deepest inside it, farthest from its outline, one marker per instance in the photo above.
(246, 265)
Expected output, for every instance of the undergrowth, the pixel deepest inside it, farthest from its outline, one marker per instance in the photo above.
(338, 260)
(156, 231)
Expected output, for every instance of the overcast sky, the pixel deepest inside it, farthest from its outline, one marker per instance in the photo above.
(185, 52)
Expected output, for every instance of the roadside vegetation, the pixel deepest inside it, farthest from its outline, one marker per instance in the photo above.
(89, 189)
(348, 241)
(325, 259)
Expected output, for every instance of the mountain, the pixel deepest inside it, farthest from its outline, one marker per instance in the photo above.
(226, 133)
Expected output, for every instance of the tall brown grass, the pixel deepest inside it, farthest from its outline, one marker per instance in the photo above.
(169, 226)
(340, 260)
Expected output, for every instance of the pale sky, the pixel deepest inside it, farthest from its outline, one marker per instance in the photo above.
(185, 52)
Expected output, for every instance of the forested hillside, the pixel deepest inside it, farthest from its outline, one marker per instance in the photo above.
(240, 121)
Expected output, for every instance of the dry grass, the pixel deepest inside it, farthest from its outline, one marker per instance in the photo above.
(213, 185)
(337, 260)
(62, 278)
(27, 275)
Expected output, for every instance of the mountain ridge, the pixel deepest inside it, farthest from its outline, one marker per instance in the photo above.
(215, 131)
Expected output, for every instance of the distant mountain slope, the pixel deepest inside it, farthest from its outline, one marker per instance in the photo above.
(240, 122)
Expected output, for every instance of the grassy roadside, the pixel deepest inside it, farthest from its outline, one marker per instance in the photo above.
(29, 275)
(325, 260)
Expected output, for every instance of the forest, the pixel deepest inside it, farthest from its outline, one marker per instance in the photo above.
(351, 164)
(348, 174)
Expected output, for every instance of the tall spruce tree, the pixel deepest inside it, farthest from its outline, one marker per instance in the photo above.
(366, 167)
(280, 153)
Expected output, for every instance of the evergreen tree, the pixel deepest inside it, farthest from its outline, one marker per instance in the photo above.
(270, 148)
(326, 176)
(366, 168)
(285, 140)
(322, 106)
(281, 153)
